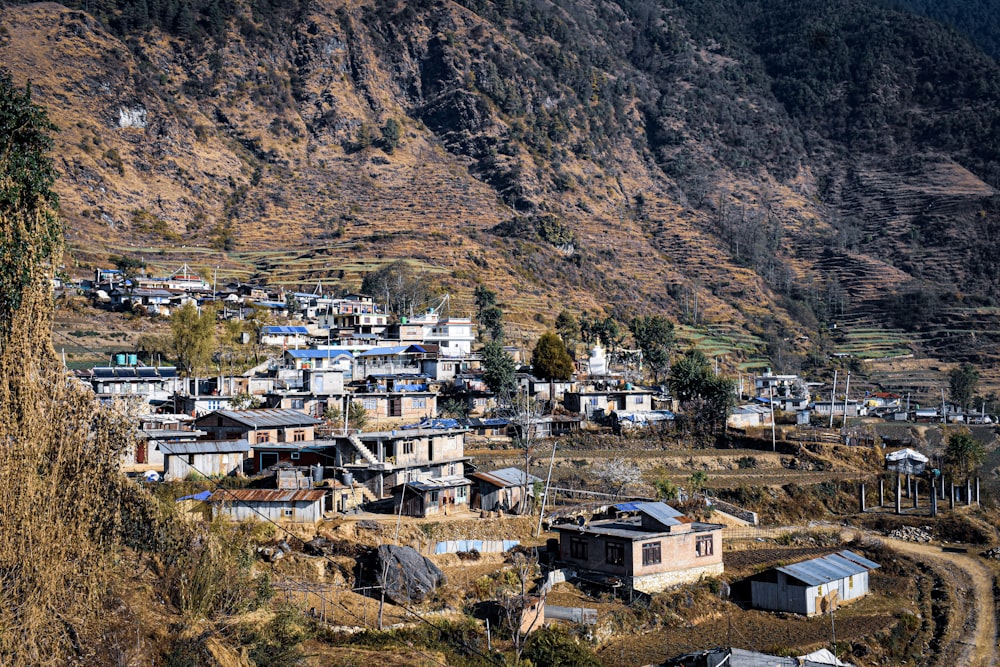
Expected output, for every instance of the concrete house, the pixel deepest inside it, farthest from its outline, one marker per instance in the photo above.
(812, 586)
(592, 402)
(295, 506)
(386, 459)
(650, 551)
(286, 336)
(207, 458)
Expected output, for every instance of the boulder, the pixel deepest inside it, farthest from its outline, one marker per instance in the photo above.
(405, 575)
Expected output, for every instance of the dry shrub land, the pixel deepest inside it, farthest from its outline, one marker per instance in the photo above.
(680, 155)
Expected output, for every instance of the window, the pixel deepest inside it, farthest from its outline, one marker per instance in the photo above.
(298, 403)
(434, 496)
(639, 400)
(704, 546)
(190, 459)
(264, 436)
(408, 447)
(651, 554)
(287, 512)
(370, 404)
(614, 553)
(298, 436)
(462, 491)
(578, 548)
(295, 456)
(418, 402)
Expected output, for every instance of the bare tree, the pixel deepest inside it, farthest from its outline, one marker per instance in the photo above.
(617, 474)
(519, 610)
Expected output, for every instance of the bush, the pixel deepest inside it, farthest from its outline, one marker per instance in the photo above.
(554, 647)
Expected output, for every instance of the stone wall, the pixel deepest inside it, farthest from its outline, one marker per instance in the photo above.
(654, 583)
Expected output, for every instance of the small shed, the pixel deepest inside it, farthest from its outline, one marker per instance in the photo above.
(812, 586)
(501, 489)
(298, 506)
(208, 458)
(906, 461)
(430, 497)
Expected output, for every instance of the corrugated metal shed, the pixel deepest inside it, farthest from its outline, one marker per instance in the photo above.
(269, 418)
(505, 477)
(823, 570)
(267, 495)
(205, 447)
(860, 560)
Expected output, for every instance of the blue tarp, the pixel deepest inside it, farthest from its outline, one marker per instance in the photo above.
(435, 423)
(482, 546)
(203, 496)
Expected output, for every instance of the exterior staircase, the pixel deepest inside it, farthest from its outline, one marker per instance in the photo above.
(366, 453)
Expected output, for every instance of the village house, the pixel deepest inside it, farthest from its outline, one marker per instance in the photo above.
(354, 313)
(813, 586)
(386, 459)
(284, 336)
(749, 416)
(150, 384)
(154, 430)
(854, 408)
(259, 427)
(395, 399)
(392, 360)
(594, 403)
(203, 458)
(656, 548)
(503, 489)
(281, 506)
(328, 359)
(432, 496)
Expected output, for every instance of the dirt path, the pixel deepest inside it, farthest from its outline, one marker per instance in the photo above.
(971, 635)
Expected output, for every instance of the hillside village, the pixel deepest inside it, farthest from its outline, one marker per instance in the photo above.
(358, 415)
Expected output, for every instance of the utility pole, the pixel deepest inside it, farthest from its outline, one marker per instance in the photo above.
(833, 396)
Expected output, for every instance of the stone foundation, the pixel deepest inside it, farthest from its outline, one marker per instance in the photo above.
(654, 583)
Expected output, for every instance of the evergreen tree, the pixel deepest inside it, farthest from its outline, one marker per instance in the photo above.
(499, 370)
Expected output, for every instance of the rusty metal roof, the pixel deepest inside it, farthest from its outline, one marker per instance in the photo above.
(267, 495)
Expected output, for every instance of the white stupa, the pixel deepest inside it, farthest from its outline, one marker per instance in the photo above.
(598, 364)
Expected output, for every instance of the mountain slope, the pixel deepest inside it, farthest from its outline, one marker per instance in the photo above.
(773, 162)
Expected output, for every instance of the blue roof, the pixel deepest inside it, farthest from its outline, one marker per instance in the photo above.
(283, 330)
(396, 349)
(435, 423)
(318, 354)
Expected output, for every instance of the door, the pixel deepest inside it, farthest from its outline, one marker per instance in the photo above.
(266, 460)
(140, 452)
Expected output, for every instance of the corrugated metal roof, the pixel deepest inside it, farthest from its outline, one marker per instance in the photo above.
(205, 447)
(859, 559)
(661, 513)
(823, 570)
(268, 418)
(506, 477)
(437, 483)
(390, 351)
(267, 495)
(318, 354)
(285, 330)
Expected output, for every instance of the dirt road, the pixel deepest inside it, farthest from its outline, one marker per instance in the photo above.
(970, 634)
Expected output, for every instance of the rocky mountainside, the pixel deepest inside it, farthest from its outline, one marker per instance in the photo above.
(775, 165)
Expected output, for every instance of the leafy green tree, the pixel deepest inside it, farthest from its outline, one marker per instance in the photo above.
(963, 383)
(654, 334)
(357, 416)
(550, 360)
(708, 398)
(665, 489)
(498, 370)
(964, 453)
(688, 375)
(568, 329)
(392, 132)
(245, 401)
(491, 321)
(192, 338)
(129, 266)
(698, 480)
(32, 234)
